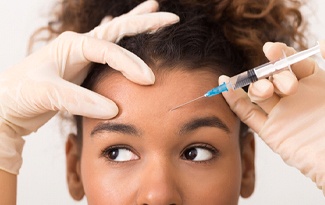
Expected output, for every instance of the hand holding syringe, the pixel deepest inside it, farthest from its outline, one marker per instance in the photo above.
(288, 112)
(252, 75)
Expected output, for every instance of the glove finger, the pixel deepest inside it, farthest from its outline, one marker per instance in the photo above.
(239, 102)
(148, 6)
(128, 25)
(322, 47)
(118, 58)
(80, 50)
(302, 69)
(106, 19)
(262, 93)
(285, 83)
(65, 96)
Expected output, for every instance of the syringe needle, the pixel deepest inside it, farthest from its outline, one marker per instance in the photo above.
(186, 103)
(254, 74)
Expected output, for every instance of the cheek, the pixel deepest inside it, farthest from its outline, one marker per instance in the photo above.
(103, 182)
(100, 188)
(229, 180)
(219, 184)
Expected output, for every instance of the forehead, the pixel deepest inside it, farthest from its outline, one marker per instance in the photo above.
(150, 106)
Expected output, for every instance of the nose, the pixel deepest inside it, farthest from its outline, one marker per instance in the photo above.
(159, 185)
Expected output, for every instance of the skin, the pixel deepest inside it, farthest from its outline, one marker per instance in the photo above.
(8, 195)
(155, 163)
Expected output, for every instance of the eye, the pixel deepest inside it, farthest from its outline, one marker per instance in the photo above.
(199, 153)
(119, 154)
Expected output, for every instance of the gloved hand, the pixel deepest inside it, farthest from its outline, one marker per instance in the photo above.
(48, 81)
(289, 112)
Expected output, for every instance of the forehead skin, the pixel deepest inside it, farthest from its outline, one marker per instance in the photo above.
(160, 143)
(170, 90)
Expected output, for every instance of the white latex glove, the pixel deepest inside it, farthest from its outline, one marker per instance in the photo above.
(47, 81)
(289, 112)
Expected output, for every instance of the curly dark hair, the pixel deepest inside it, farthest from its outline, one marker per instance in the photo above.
(246, 24)
(223, 36)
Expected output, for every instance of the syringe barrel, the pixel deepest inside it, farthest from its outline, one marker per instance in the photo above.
(270, 68)
(243, 79)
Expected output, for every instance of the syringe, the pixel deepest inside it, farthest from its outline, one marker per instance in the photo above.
(252, 75)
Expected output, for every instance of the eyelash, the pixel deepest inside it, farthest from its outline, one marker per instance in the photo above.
(215, 152)
(105, 152)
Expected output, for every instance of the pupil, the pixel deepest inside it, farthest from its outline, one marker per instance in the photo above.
(191, 154)
(113, 154)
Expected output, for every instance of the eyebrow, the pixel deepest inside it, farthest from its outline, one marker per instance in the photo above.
(128, 129)
(211, 121)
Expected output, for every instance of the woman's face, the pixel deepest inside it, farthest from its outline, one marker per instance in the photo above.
(149, 154)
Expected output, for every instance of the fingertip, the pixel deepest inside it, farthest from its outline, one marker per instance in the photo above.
(102, 109)
(261, 89)
(231, 95)
(322, 47)
(285, 82)
(166, 19)
(223, 79)
(77, 100)
(145, 77)
(150, 77)
(99, 107)
(267, 47)
(129, 64)
(106, 19)
(174, 18)
(148, 6)
(274, 50)
(137, 70)
(154, 5)
(94, 105)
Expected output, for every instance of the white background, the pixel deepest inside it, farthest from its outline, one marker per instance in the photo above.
(42, 179)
